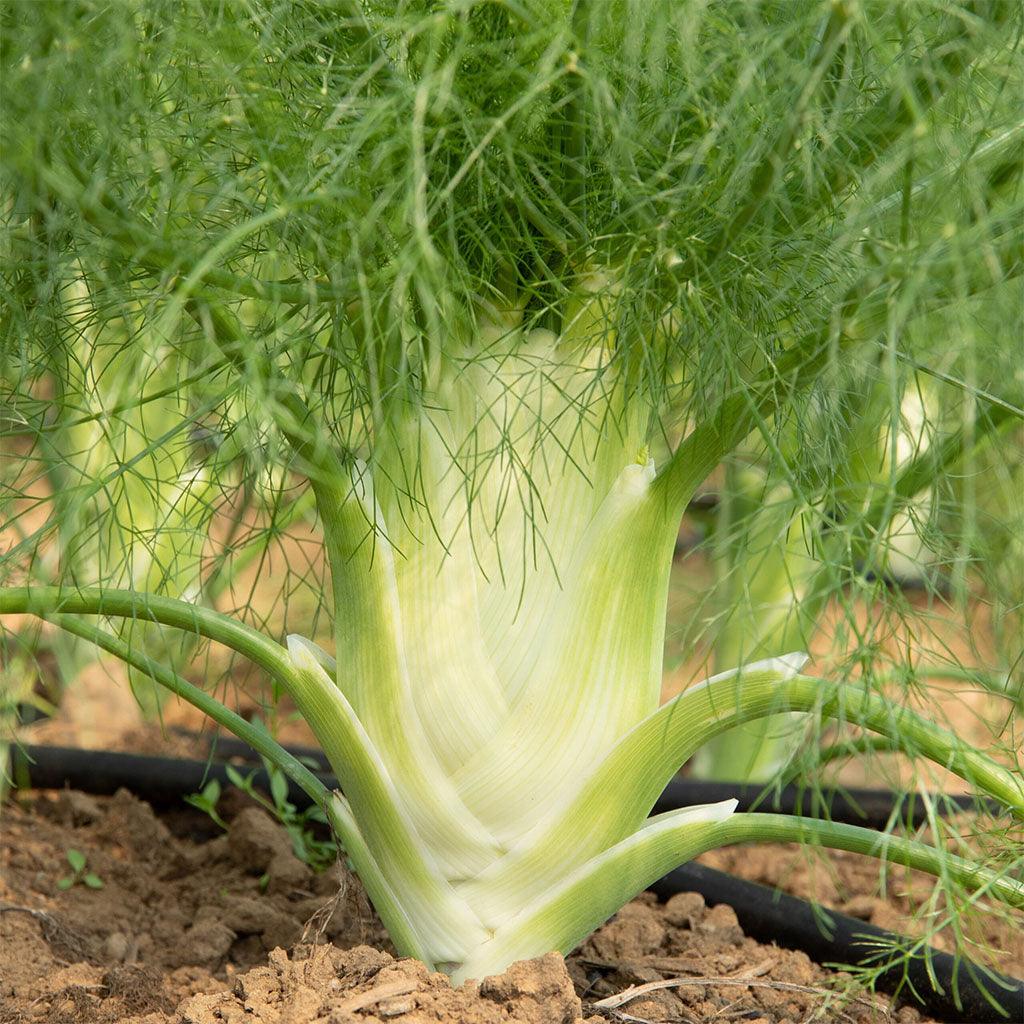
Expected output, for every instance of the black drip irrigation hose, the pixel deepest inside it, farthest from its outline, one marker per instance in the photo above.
(872, 808)
(160, 781)
(946, 987)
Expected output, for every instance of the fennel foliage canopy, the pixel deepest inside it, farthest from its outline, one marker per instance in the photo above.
(504, 282)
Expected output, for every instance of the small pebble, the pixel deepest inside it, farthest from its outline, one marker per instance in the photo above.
(78, 808)
(394, 1008)
(860, 907)
(116, 946)
(685, 909)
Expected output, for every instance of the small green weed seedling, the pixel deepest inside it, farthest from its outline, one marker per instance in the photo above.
(78, 862)
(206, 801)
(317, 853)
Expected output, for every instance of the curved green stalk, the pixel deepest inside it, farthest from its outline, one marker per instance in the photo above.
(564, 915)
(651, 753)
(258, 739)
(711, 709)
(756, 827)
(48, 601)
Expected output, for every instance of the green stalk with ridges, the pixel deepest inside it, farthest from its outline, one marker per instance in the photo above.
(580, 902)
(654, 750)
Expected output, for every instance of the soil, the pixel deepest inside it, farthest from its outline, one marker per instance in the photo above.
(194, 926)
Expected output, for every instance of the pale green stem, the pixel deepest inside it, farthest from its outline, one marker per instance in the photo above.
(650, 754)
(674, 731)
(761, 575)
(861, 707)
(48, 601)
(565, 914)
(258, 739)
(989, 680)
(895, 849)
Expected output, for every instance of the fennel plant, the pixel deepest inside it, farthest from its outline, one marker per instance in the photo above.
(463, 267)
